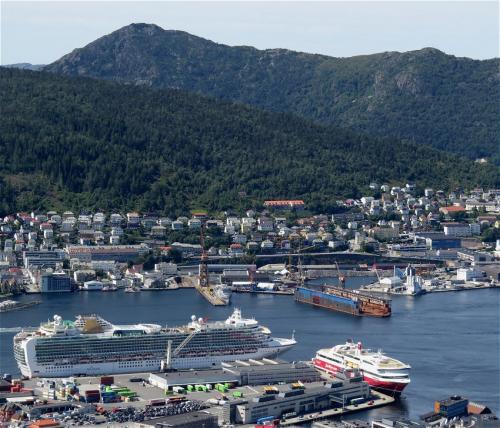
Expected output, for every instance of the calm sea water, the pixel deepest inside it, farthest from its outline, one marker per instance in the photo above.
(451, 340)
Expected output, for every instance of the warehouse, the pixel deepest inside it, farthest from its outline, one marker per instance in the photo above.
(184, 378)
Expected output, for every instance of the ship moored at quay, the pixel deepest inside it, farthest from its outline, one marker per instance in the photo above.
(382, 372)
(91, 345)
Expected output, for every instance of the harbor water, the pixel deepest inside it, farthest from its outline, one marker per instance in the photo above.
(451, 340)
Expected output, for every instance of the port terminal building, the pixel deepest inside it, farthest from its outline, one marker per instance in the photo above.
(296, 402)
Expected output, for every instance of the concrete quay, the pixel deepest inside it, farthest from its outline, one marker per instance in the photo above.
(378, 400)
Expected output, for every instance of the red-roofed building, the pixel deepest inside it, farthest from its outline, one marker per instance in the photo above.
(452, 209)
(45, 423)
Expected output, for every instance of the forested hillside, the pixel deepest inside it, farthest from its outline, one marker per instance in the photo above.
(82, 143)
(425, 96)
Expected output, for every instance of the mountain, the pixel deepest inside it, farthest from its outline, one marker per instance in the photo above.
(425, 96)
(78, 143)
(26, 66)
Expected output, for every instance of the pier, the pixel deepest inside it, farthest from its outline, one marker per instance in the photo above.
(208, 294)
(378, 400)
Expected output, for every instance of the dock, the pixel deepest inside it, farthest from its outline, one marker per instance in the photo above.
(378, 399)
(275, 292)
(428, 290)
(211, 298)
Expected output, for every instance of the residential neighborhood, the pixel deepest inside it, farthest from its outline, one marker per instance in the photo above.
(54, 251)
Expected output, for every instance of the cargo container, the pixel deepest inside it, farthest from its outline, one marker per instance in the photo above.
(237, 394)
(107, 380)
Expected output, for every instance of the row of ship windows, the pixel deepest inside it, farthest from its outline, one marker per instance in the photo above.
(151, 339)
(139, 345)
(137, 342)
(50, 358)
(55, 352)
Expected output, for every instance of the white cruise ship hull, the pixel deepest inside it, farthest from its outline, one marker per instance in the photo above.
(184, 363)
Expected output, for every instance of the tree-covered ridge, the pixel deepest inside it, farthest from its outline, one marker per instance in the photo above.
(425, 96)
(84, 143)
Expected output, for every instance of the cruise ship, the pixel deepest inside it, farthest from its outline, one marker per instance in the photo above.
(91, 345)
(380, 371)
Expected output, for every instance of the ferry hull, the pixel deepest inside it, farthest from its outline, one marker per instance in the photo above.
(385, 386)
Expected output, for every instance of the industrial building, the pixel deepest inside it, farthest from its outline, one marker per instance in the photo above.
(118, 253)
(438, 240)
(183, 378)
(55, 282)
(45, 259)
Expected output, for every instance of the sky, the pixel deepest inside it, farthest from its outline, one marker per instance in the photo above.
(40, 32)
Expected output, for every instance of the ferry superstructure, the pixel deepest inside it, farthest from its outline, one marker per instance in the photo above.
(91, 345)
(380, 371)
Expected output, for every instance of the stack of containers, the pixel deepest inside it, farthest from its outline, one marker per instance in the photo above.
(107, 394)
(49, 392)
(124, 393)
(92, 396)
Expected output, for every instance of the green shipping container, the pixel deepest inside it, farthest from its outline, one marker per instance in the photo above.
(237, 394)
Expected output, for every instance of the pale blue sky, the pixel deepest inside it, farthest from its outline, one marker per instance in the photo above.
(40, 32)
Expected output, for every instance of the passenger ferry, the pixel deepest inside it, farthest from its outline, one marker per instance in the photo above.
(91, 345)
(380, 371)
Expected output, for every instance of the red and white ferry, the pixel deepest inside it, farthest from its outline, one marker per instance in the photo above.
(380, 371)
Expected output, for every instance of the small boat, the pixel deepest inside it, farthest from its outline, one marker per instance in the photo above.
(132, 290)
(107, 288)
(12, 305)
